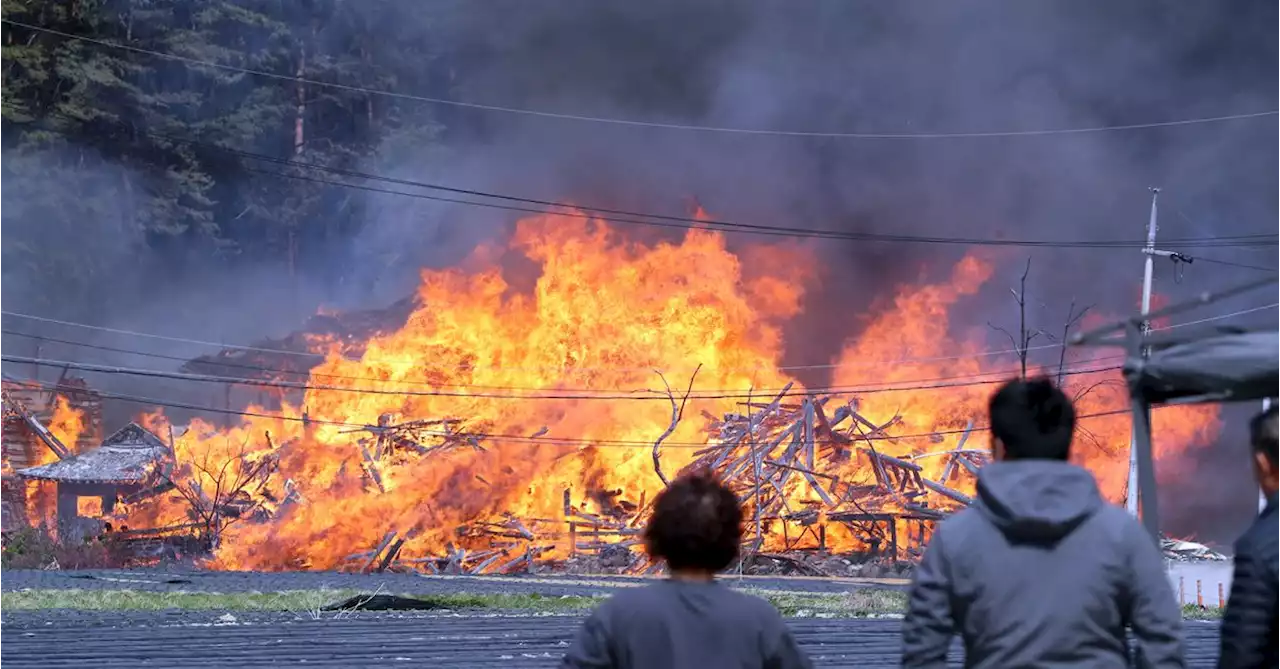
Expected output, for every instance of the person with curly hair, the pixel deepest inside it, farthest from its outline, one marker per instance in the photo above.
(689, 620)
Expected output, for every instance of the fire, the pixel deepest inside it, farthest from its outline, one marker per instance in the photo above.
(514, 371)
(67, 424)
(916, 327)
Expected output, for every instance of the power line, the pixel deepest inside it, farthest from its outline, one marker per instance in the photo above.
(149, 335)
(235, 347)
(570, 208)
(636, 395)
(627, 217)
(855, 365)
(1216, 261)
(1218, 318)
(1003, 373)
(645, 394)
(523, 438)
(1233, 264)
(575, 210)
(637, 123)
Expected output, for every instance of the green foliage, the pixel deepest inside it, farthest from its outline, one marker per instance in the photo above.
(114, 142)
(34, 548)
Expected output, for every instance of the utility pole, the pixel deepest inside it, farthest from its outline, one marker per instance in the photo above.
(1150, 251)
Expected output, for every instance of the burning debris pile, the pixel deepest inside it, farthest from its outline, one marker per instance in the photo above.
(792, 465)
(1189, 551)
(797, 471)
(476, 428)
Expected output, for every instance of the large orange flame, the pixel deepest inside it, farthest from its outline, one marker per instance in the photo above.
(605, 315)
(67, 424)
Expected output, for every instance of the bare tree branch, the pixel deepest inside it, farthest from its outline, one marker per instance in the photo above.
(230, 480)
(1012, 340)
(677, 412)
(1083, 392)
(1073, 319)
(1021, 343)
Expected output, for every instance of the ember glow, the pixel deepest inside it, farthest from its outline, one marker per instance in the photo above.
(604, 316)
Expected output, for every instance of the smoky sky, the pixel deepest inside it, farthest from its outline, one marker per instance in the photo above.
(902, 67)
(907, 67)
(840, 66)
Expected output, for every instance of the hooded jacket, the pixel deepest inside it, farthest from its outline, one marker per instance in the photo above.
(1041, 572)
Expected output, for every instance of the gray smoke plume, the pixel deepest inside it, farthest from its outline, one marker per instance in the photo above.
(906, 67)
(841, 66)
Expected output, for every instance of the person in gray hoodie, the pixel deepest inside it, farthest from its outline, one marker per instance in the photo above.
(1040, 571)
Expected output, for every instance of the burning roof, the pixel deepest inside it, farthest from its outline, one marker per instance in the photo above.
(272, 358)
(128, 456)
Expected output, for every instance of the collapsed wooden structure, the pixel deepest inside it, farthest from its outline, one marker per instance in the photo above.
(26, 442)
(797, 469)
(781, 458)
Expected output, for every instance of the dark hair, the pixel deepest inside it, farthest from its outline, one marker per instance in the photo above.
(1033, 419)
(1262, 433)
(696, 524)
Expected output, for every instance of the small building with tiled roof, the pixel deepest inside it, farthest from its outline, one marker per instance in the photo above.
(129, 463)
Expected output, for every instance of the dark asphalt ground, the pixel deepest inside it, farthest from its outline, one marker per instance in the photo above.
(211, 581)
(181, 639)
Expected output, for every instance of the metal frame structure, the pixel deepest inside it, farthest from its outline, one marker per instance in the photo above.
(1199, 373)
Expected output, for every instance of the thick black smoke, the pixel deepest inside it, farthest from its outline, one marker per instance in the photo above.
(908, 67)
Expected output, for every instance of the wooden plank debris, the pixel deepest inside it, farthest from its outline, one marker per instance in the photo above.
(798, 466)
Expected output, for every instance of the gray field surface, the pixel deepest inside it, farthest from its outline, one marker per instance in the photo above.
(109, 640)
(207, 636)
(228, 581)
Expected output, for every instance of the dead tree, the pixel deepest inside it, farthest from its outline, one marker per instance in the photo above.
(1021, 343)
(1073, 319)
(677, 412)
(220, 493)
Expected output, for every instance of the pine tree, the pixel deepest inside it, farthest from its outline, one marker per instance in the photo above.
(142, 140)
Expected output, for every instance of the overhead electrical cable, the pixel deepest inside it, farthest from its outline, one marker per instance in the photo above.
(1228, 263)
(607, 213)
(525, 438)
(783, 368)
(291, 78)
(626, 217)
(314, 375)
(590, 369)
(640, 394)
(586, 211)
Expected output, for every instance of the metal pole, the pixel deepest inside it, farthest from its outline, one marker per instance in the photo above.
(1262, 496)
(1131, 498)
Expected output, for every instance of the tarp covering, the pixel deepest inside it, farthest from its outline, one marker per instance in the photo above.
(1226, 367)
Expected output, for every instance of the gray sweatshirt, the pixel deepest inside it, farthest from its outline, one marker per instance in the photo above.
(681, 625)
(1041, 572)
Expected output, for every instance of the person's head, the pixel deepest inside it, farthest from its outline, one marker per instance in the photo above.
(1262, 436)
(696, 525)
(1031, 419)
